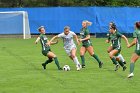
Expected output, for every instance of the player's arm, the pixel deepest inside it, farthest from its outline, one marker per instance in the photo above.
(51, 41)
(133, 43)
(37, 40)
(108, 39)
(76, 38)
(84, 39)
(126, 40)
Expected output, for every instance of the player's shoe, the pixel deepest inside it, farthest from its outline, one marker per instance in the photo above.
(117, 67)
(78, 67)
(83, 66)
(124, 68)
(60, 68)
(100, 64)
(130, 75)
(124, 62)
(44, 65)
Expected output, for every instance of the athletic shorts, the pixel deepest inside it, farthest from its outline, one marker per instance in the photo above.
(68, 50)
(45, 52)
(137, 52)
(117, 48)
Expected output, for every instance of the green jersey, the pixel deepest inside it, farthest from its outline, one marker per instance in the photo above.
(43, 41)
(136, 34)
(116, 39)
(83, 34)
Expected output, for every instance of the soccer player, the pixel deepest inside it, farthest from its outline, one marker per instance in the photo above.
(115, 38)
(86, 44)
(46, 51)
(69, 44)
(110, 47)
(136, 54)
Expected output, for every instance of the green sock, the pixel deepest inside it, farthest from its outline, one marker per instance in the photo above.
(96, 57)
(56, 62)
(121, 63)
(114, 61)
(132, 65)
(48, 61)
(83, 60)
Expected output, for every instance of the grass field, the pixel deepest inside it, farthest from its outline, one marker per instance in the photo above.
(21, 71)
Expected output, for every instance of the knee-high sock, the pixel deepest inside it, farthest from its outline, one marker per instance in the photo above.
(76, 61)
(48, 61)
(121, 63)
(132, 66)
(114, 61)
(96, 57)
(121, 57)
(56, 62)
(83, 60)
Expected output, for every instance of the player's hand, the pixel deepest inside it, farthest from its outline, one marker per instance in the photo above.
(107, 41)
(48, 44)
(80, 40)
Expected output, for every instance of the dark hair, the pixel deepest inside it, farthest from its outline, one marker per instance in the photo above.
(113, 27)
(137, 25)
(39, 29)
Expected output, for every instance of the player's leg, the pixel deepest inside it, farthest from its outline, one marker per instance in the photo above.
(52, 55)
(75, 59)
(121, 63)
(134, 58)
(109, 49)
(121, 58)
(91, 52)
(82, 53)
(112, 57)
(47, 62)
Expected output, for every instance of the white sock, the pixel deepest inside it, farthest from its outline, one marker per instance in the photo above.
(76, 61)
(121, 57)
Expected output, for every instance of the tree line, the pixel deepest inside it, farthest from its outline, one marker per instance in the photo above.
(67, 3)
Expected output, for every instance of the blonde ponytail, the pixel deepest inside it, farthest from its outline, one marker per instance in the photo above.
(88, 22)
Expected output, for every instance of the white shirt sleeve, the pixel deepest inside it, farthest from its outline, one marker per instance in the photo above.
(72, 33)
(61, 35)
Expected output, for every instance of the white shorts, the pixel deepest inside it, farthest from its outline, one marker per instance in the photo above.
(68, 50)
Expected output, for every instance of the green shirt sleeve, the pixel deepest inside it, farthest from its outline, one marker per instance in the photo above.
(87, 32)
(119, 34)
(134, 34)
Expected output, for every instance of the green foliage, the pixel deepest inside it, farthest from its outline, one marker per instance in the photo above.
(51, 3)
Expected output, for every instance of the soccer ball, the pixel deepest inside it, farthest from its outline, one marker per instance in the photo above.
(66, 68)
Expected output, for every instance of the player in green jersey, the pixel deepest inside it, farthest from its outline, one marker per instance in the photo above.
(46, 51)
(110, 47)
(86, 44)
(136, 54)
(115, 38)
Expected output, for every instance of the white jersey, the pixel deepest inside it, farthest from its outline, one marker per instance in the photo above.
(67, 39)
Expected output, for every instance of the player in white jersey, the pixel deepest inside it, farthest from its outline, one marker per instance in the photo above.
(69, 44)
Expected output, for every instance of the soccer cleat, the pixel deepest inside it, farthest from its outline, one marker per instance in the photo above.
(117, 67)
(130, 75)
(44, 65)
(100, 64)
(124, 62)
(78, 67)
(83, 66)
(124, 68)
(60, 68)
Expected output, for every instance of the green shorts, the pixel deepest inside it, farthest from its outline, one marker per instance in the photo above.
(137, 52)
(117, 48)
(45, 52)
(86, 45)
